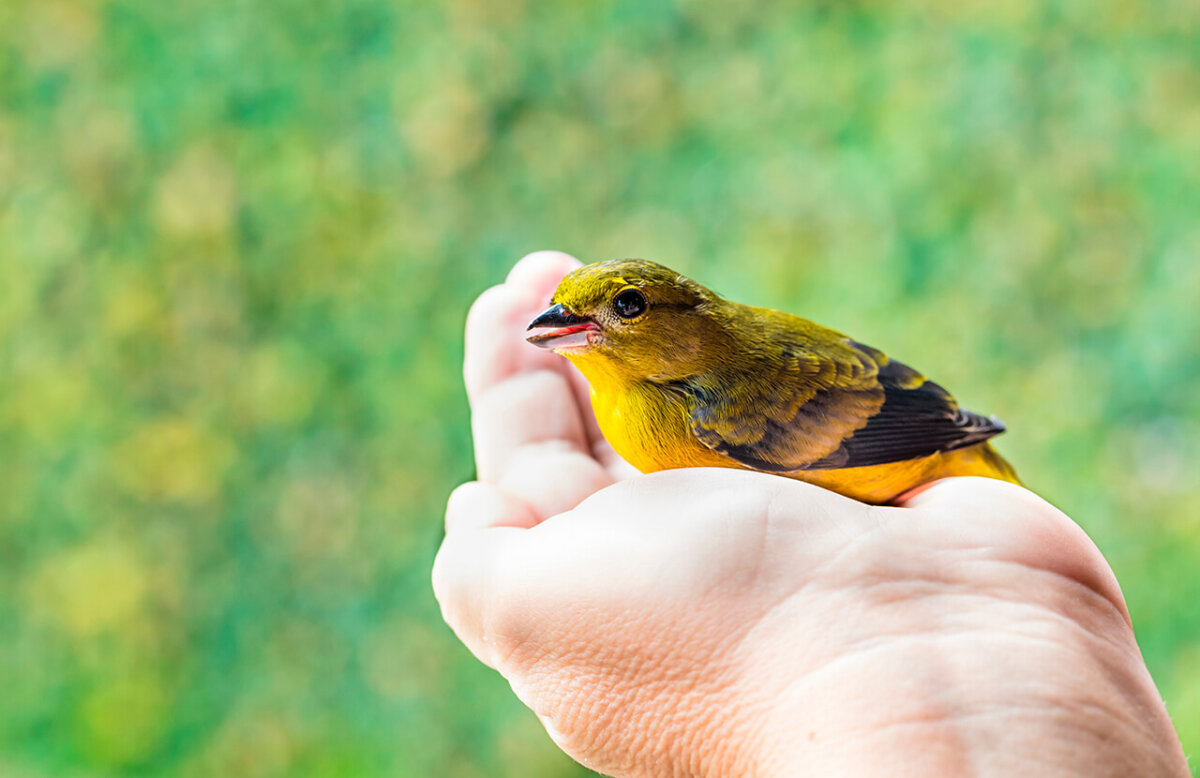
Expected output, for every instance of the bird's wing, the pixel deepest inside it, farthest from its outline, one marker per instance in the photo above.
(845, 406)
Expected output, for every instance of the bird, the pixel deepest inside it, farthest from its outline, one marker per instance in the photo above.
(681, 377)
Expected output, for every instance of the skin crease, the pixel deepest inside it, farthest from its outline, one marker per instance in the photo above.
(717, 622)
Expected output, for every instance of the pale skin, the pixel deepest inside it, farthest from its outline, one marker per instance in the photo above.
(712, 622)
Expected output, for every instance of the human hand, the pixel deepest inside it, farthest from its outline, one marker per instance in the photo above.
(719, 622)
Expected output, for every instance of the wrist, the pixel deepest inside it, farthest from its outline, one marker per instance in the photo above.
(1042, 695)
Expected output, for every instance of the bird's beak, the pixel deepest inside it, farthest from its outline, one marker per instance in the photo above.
(561, 329)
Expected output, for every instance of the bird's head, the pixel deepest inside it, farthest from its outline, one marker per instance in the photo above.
(631, 315)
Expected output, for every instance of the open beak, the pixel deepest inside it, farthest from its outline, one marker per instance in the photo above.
(561, 329)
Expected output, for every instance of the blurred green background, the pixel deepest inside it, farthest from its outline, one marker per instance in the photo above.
(238, 240)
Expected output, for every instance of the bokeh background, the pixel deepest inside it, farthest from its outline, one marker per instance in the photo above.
(238, 240)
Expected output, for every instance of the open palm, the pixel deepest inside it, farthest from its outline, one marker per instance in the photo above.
(722, 622)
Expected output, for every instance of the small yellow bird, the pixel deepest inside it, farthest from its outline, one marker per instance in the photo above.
(683, 378)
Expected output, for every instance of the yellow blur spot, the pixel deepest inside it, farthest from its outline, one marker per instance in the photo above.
(173, 459)
(132, 308)
(90, 589)
(57, 33)
(447, 130)
(122, 720)
(278, 385)
(46, 401)
(196, 196)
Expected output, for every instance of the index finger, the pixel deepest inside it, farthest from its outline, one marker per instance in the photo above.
(495, 336)
(531, 432)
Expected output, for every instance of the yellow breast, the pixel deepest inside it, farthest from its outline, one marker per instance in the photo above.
(652, 431)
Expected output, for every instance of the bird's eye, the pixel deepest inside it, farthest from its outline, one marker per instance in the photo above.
(629, 304)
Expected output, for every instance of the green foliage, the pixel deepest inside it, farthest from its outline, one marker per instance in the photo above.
(238, 240)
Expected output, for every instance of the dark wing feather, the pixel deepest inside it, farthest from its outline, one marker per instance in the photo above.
(918, 418)
(849, 406)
